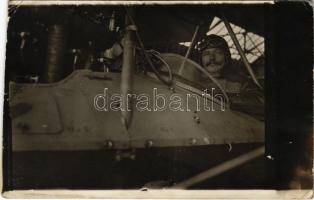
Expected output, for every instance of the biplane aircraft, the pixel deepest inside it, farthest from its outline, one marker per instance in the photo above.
(64, 61)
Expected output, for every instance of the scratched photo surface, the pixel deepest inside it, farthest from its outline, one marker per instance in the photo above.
(137, 97)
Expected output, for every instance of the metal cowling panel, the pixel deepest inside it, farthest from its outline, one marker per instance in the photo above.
(67, 108)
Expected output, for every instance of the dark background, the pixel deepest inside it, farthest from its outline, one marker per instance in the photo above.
(289, 88)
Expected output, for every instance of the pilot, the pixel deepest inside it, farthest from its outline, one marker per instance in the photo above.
(216, 59)
(231, 75)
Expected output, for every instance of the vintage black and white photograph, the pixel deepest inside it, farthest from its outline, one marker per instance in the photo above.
(142, 97)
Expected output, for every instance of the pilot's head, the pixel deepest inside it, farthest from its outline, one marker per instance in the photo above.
(215, 54)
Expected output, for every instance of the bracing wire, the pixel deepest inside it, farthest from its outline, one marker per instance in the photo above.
(168, 82)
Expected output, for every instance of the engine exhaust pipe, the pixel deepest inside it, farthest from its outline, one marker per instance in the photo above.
(55, 53)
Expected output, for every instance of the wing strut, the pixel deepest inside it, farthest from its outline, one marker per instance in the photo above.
(238, 46)
(220, 168)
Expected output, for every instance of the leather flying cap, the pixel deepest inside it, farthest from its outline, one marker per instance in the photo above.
(215, 41)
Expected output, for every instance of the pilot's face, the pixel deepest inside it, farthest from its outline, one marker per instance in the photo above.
(213, 59)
